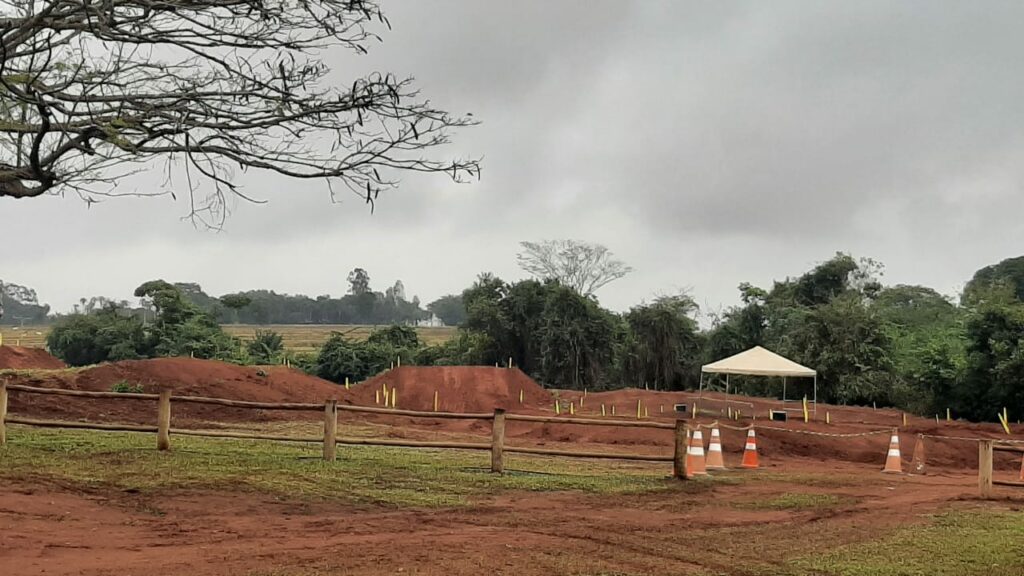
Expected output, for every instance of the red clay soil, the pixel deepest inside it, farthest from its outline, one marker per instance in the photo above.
(19, 358)
(54, 531)
(473, 389)
(183, 376)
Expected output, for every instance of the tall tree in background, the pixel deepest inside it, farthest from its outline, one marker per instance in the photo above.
(449, 309)
(664, 348)
(96, 90)
(359, 282)
(581, 266)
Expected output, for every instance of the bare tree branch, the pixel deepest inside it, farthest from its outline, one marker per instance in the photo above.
(91, 90)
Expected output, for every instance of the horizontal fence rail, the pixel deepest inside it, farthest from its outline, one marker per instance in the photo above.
(330, 439)
(83, 393)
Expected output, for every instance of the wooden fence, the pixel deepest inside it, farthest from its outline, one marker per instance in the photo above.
(985, 454)
(330, 439)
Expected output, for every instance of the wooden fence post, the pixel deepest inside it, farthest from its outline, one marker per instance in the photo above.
(163, 421)
(985, 468)
(679, 455)
(330, 430)
(498, 441)
(3, 413)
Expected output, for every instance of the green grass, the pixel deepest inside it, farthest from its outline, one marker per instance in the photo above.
(793, 501)
(959, 543)
(361, 474)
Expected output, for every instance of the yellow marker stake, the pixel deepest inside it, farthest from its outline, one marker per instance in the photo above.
(904, 418)
(346, 382)
(584, 392)
(520, 396)
(613, 410)
(602, 410)
(1002, 420)
(807, 415)
(828, 418)
(949, 415)
(572, 408)
(435, 401)
(662, 408)
(645, 412)
(558, 410)
(399, 361)
(394, 398)
(376, 396)
(637, 409)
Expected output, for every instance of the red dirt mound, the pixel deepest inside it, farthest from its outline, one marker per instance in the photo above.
(184, 377)
(20, 358)
(459, 388)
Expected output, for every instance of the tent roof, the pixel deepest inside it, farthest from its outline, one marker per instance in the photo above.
(758, 362)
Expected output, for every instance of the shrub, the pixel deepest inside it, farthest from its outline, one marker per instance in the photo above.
(266, 347)
(124, 386)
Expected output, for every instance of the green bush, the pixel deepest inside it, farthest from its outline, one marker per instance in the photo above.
(108, 335)
(266, 347)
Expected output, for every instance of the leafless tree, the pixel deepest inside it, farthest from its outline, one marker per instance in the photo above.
(92, 91)
(582, 266)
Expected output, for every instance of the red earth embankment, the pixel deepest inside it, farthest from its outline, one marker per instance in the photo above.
(19, 358)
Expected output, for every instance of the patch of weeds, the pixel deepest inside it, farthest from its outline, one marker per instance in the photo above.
(125, 387)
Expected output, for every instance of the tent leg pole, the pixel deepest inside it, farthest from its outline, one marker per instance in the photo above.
(815, 394)
(726, 384)
(783, 391)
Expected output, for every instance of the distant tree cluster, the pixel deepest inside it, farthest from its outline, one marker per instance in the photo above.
(19, 305)
(178, 328)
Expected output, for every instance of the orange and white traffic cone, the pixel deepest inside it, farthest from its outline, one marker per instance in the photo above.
(917, 463)
(893, 461)
(714, 460)
(750, 451)
(695, 465)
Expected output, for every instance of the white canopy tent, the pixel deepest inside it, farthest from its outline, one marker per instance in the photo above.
(759, 361)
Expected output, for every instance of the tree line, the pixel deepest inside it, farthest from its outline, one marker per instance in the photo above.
(903, 345)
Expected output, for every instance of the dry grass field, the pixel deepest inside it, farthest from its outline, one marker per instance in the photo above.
(297, 337)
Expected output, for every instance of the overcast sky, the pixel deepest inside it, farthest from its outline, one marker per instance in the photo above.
(705, 143)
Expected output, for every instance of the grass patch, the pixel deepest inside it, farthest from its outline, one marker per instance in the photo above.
(793, 501)
(362, 474)
(961, 543)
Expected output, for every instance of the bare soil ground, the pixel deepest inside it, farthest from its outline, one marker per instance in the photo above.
(54, 530)
(814, 492)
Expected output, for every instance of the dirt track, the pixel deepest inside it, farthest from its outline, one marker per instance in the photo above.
(49, 530)
(481, 389)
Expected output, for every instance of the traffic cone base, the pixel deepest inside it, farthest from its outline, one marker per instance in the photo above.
(714, 458)
(893, 461)
(695, 465)
(750, 459)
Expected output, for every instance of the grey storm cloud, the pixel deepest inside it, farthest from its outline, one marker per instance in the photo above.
(704, 143)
